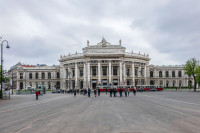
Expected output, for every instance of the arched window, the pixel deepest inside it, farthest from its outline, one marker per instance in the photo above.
(43, 75)
(94, 71)
(151, 74)
(36, 76)
(49, 85)
(58, 75)
(21, 75)
(49, 75)
(136, 82)
(21, 86)
(81, 84)
(166, 74)
(174, 83)
(180, 83)
(179, 74)
(151, 82)
(173, 74)
(81, 72)
(30, 83)
(104, 70)
(167, 83)
(30, 76)
(127, 72)
(161, 83)
(160, 74)
(115, 70)
(136, 72)
(57, 85)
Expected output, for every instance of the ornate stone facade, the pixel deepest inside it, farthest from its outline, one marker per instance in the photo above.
(101, 64)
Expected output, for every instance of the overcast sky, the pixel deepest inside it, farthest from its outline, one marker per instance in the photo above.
(39, 31)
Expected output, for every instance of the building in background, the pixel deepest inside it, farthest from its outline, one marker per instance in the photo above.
(100, 64)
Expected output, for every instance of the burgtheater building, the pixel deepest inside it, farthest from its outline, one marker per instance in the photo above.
(100, 64)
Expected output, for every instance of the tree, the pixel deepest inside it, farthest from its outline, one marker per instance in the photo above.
(191, 69)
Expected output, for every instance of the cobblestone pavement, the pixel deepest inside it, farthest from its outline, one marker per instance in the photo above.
(148, 112)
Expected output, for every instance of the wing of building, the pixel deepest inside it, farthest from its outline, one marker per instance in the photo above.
(100, 64)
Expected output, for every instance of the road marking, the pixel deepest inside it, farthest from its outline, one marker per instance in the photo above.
(55, 99)
(173, 100)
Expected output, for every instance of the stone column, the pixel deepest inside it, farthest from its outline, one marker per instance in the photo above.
(69, 77)
(99, 73)
(88, 82)
(133, 74)
(84, 75)
(120, 72)
(62, 77)
(110, 72)
(124, 73)
(76, 75)
(145, 74)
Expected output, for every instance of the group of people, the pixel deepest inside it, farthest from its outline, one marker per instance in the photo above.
(126, 92)
(113, 92)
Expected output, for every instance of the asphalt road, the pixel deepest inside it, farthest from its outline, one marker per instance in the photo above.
(148, 112)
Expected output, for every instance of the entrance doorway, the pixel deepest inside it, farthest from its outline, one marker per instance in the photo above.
(94, 83)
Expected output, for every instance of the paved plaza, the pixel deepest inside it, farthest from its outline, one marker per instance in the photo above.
(148, 112)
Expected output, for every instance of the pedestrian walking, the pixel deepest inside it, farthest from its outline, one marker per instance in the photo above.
(111, 92)
(115, 91)
(128, 91)
(89, 92)
(120, 92)
(99, 91)
(125, 92)
(95, 92)
(37, 94)
(134, 91)
(75, 92)
(106, 90)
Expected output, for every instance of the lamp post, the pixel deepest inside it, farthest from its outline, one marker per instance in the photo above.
(140, 72)
(2, 62)
(69, 77)
(189, 82)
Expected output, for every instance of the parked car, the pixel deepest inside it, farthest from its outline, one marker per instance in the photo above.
(56, 91)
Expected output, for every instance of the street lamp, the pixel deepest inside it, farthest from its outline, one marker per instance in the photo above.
(69, 77)
(7, 46)
(140, 72)
(189, 82)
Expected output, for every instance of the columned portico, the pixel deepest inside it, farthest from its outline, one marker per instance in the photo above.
(120, 72)
(99, 72)
(124, 74)
(110, 82)
(76, 75)
(84, 75)
(88, 74)
(133, 74)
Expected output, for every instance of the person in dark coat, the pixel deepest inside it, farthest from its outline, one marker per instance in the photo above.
(134, 91)
(89, 92)
(115, 91)
(120, 92)
(95, 92)
(99, 91)
(111, 90)
(75, 92)
(125, 91)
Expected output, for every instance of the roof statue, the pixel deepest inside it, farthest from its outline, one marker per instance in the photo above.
(103, 42)
(120, 42)
(88, 43)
